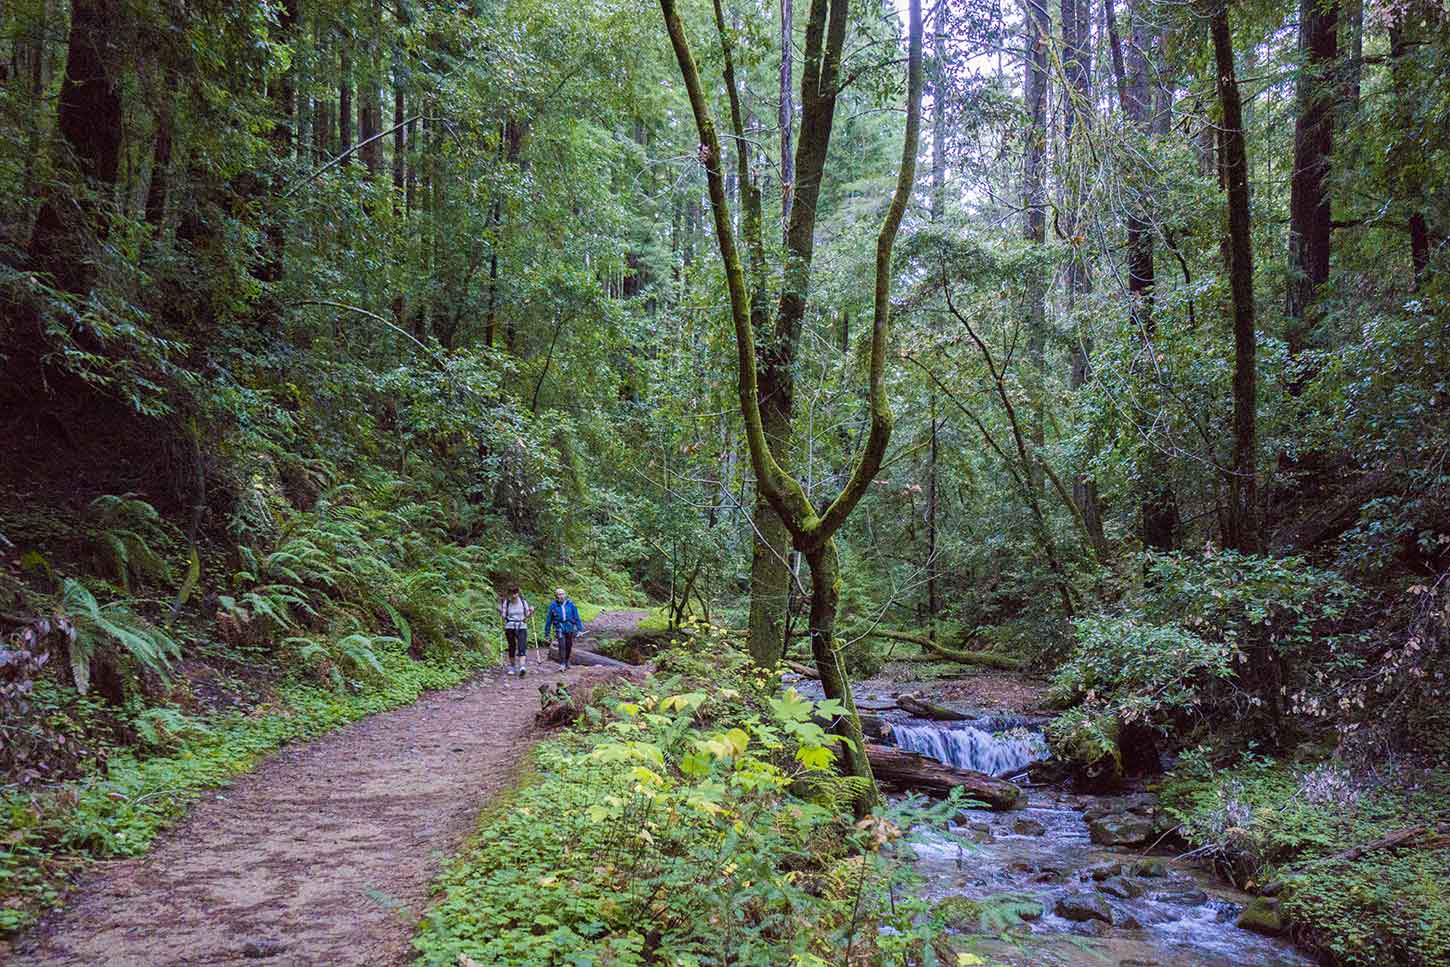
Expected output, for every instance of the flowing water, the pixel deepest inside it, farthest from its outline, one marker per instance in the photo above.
(970, 747)
(1169, 916)
(1161, 913)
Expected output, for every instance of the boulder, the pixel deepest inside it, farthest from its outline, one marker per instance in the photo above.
(1141, 804)
(1151, 868)
(1122, 888)
(1029, 827)
(1081, 907)
(1262, 915)
(1182, 893)
(1104, 871)
(1121, 829)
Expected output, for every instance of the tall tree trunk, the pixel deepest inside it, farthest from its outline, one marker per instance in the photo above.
(1309, 203)
(370, 96)
(1351, 42)
(787, 110)
(90, 126)
(282, 93)
(1406, 158)
(344, 100)
(1158, 509)
(1243, 526)
(156, 191)
(1037, 27)
(410, 193)
(812, 532)
(770, 574)
(938, 214)
(400, 133)
(1077, 46)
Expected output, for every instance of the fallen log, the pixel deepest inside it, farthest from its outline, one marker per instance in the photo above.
(911, 772)
(914, 703)
(804, 670)
(578, 656)
(875, 726)
(1423, 837)
(984, 658)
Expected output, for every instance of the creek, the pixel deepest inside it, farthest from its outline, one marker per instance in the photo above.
(1083, 904)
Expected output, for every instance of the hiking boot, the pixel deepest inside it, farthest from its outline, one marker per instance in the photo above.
(523, 672)
(563, 666)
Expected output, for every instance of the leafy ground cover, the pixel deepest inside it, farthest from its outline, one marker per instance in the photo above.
(693, 819)
(1274, 822)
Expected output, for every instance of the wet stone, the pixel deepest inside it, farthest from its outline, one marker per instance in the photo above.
(1121, 829)
(1181, 893)
(260, 949)
(1104, 871)
(1082, 907)
(1029, 827)
(1122, 888)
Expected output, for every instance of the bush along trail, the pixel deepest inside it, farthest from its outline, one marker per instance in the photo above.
(324, 853)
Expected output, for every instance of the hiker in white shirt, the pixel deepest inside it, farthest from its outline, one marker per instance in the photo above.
(515, 612)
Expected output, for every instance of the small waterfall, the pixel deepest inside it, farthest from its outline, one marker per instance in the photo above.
(970, 748)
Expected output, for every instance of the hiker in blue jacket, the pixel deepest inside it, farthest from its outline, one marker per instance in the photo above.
(563, 618)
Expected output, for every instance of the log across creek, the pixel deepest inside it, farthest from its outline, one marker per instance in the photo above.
(904, 771)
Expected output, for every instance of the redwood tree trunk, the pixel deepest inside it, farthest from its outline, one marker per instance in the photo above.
(1242, 519)
(89, 123)
(1038, 29)
(1309, 205)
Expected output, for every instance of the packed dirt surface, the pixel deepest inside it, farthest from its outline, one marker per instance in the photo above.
(324, 854)
(612, 624)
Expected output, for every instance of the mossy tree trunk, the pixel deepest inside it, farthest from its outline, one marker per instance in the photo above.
(811, 530)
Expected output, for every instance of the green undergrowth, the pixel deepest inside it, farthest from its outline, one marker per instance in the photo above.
(1267, 822)
(47, 834)
(692, 819)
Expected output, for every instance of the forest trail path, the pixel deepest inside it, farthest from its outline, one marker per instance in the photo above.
(324, 854)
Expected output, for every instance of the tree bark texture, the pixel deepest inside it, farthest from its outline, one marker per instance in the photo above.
(1242, 519)
(1309, 203)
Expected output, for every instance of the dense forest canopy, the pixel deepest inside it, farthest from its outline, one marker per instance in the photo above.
(1106, 342)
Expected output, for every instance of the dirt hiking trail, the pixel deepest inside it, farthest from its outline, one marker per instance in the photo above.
(323, 855)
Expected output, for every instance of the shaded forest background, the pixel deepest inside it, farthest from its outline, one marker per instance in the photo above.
(323, 319)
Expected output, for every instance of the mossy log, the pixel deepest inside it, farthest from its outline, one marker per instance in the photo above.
(914, 703)
(912, 772)
(985, 659)
(1418, 837)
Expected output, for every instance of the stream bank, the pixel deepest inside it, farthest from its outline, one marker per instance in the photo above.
(1076, 879)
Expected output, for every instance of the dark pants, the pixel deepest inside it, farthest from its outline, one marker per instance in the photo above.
(518, 639)
(566, 646)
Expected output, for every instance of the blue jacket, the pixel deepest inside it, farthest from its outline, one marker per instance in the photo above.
(565, 617)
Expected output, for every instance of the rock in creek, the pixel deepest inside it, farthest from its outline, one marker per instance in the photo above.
(1122, 888)
(1262, 916)
(1080, 907)
(1121, 829)
(1183, 893)
(259, 949)
(1029, 827)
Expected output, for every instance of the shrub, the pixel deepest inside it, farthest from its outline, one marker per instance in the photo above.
(694, 819)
